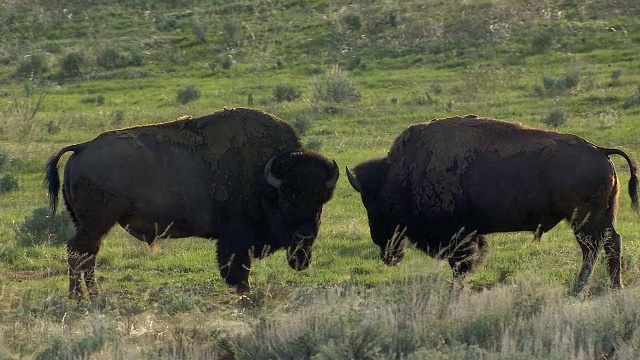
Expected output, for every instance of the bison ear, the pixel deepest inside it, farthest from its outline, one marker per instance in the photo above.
(353, 181)
(331, 183)
(268, 175)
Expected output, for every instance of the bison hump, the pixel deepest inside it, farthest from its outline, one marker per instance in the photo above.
(431, 158)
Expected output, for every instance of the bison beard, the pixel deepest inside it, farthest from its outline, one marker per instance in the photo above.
(447, 183)
(237, 175)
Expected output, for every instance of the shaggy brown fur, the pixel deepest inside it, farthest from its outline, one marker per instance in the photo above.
(460, 178)
(220, 139)
(203, 177)
(452, 144)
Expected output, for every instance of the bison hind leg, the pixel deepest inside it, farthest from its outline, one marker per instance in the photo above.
(612, 248)
(95, 216)
(590, 243)
(82, 249)
(593, 226)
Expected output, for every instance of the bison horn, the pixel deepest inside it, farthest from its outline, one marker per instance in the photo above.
(272, 180)
(331, 183)
(353, 181)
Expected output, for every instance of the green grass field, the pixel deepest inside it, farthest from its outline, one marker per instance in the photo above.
(349, 76)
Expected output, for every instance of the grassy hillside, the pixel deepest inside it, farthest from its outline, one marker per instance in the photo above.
(349, 76)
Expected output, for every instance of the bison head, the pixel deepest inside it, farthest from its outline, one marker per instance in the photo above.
(385, 230)
(298, 185)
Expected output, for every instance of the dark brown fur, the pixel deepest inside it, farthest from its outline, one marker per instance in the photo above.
(201, 177)
(460, 178)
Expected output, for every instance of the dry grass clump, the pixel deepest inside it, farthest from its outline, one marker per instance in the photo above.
(422, 317)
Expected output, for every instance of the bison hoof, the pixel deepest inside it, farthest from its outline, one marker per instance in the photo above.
(243, 289)
(616, 286)
(75, 295)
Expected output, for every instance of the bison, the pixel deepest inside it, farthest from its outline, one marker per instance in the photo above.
(447, 183)
(240, 176)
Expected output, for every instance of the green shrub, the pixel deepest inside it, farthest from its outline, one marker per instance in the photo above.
(554, 85)
(187, 94)
(313, 145)
(199, 30)
(213, 65)
(356, 63)
(285, 92)
(301, 124)
(136, 58)
(32, 66)
(71, 64)
(555, 118)
(8, 182)
(231, 31)
(615, 76)
(335, 87)
(571, 79)
(541, 41)
(43, 228)
(110, 57)
(166, 24)
(227, 62)
(352, 21)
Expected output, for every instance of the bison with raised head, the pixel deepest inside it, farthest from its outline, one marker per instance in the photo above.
(238, 175)
(446, 183)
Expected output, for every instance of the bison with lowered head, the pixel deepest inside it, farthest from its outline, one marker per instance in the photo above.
(446, 183)
(238, 175)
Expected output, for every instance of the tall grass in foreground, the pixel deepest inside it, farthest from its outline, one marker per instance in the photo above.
(419, 317)
(416, 319)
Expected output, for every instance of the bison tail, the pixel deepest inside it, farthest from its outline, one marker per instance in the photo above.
(633, 191)
(52, 178)
(633, 181)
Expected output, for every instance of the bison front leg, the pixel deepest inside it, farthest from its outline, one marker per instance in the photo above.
(467, 254)
(235, 266)
(234, 258)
